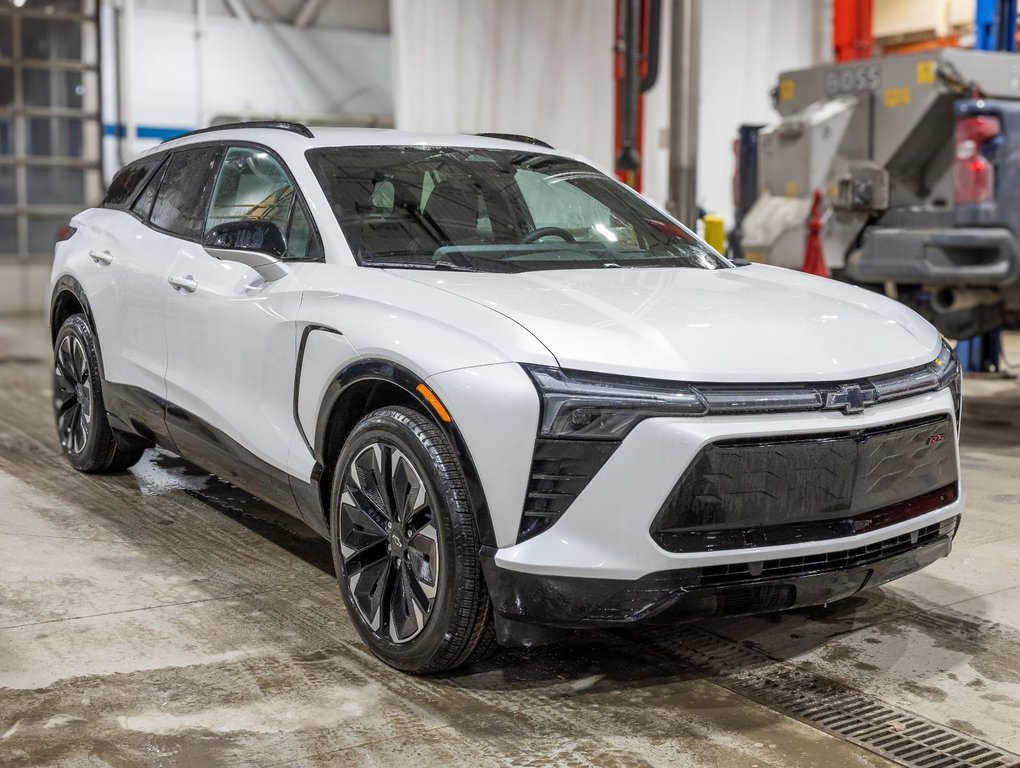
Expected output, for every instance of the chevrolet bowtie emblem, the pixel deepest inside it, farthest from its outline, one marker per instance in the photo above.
(849, 398)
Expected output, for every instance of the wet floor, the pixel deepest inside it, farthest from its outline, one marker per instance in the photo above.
(161, 617)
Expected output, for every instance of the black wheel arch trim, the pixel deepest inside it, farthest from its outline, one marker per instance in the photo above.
(377, 369)
(67, 284)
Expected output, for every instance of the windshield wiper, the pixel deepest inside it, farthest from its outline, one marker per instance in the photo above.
(434, 265)
(449, 266)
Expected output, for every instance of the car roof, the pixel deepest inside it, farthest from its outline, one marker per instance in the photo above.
(291, 141)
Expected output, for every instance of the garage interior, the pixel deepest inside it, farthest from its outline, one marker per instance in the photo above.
(163, 617)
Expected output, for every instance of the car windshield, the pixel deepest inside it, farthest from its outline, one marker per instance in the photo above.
(494, 210)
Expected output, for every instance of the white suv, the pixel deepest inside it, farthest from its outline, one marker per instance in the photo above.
(517, 397)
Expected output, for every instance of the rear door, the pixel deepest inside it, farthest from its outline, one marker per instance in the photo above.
(232, 336)
(124, 279)
(171, 213)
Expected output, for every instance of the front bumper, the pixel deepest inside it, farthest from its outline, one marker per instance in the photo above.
(599, 563)
(671, 596)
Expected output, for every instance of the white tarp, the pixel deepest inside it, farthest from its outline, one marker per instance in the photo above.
(538, 67)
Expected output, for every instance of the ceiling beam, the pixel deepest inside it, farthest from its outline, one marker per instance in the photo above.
(307, 13)
(239, 9)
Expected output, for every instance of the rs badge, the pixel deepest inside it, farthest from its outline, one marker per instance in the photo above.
(936, 439)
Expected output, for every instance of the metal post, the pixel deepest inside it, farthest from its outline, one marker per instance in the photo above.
(126, 75)
(200, 33)
(683, 110)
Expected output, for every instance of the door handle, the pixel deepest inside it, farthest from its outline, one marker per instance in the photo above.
(101, 257)
(186, 284)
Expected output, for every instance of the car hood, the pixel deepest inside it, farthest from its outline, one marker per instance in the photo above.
(753, 323)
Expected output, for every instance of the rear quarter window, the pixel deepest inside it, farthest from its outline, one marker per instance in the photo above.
(128, 181)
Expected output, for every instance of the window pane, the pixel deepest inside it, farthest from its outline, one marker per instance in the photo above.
(8, 190)
(125, 183)
(183, 195)
(58, 136)
(6, 37)
(8, 235)
(52, 88)
(50, 39)
(251, 185)
(299, 236)
(143, 203)
(6, 87)
(42, 232)
(7, 135)
(56, 186)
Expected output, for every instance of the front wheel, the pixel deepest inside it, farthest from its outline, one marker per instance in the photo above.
(405, 544)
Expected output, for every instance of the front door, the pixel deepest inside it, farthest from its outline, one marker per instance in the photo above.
(232, 336)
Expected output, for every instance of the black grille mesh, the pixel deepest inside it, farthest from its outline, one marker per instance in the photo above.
(780, 490)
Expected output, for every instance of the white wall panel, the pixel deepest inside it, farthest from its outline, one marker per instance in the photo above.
(259, 69)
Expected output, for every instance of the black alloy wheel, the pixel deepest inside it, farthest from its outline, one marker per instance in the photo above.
(86, 437)
(405, 544)
(388, 542)
(72, 394)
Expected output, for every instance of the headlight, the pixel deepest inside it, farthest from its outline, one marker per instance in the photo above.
(592, 406)
(950, 374)
(942, 372)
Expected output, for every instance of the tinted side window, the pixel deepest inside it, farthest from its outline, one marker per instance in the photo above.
(252, 184)
(127, 181)
(184, 193)
(143, 203)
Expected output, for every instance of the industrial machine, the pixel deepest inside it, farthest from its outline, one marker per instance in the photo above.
(917, 159)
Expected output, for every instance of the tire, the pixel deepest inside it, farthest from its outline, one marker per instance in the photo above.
(415, 592)
(86, 437)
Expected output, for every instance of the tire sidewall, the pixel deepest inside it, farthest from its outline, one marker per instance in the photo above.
(391, 426)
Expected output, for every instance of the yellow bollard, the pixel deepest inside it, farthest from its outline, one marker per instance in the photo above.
(715, 232)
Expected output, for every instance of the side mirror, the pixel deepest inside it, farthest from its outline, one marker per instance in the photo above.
(256, 244)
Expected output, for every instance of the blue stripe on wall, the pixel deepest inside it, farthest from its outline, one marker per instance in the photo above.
(159, 132)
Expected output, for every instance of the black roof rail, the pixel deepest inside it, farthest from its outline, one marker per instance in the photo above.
(517, 137)
(280, 125)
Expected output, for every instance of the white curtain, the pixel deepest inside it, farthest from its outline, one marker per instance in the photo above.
(538, 67)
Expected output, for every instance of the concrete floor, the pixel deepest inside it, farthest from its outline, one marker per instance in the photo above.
(161, 617)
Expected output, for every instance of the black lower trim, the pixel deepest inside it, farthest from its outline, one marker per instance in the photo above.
(668, 597)
(212, 449)
(139, 412)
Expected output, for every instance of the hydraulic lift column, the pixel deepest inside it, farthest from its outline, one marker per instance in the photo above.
(685, 63)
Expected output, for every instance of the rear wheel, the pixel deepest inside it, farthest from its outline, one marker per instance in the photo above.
(86, 437)
(405, 544)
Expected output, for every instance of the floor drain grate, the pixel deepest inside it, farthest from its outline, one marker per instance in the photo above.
(894, 733)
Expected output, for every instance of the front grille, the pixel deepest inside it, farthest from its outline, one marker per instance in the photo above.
(773, 491)
(560, 470)
(826, 562)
